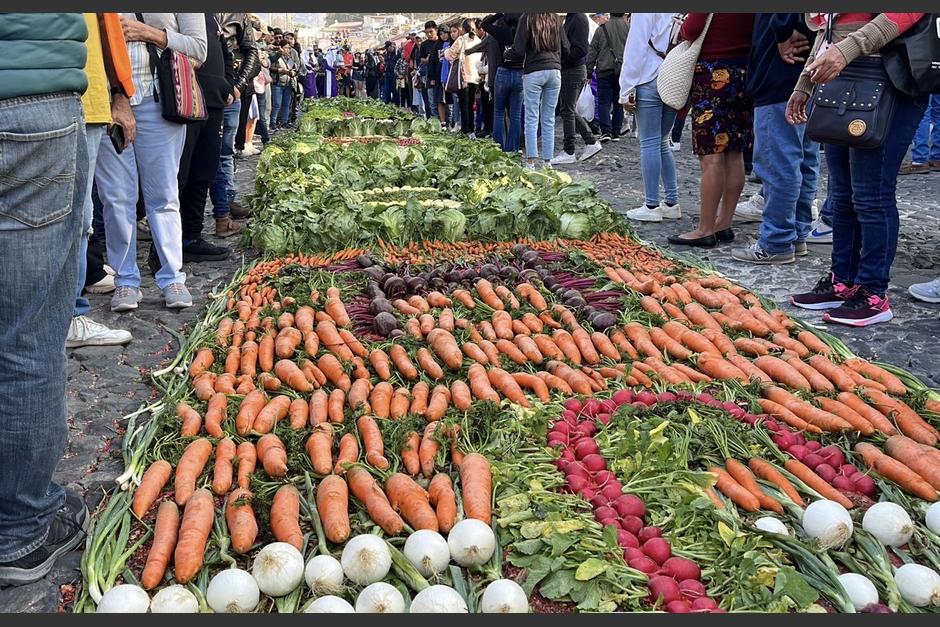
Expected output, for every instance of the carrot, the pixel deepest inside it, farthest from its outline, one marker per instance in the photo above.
(403, 306)
(909, 423)
(488, 295)
(202, 362)
(298, 411)
(238, 332)
(247, 458)
(426, 324)
(286, 342)
(269, 382)
(507, 297)
(437, 407)
(151, 485)
(353, 344)
(640, 338)
(475, 353)
(547, 347)
(419, 303)
(273, 455)
(813, 415)
(191, 420)
(532, 322)
(289, 374)
(786, 342)
(330, 366)
(768, 472)
(748, 322)
(690, 373)
(762, 315)
(249, 358)
(427, 450)
(582, 340)
(664, 372)
(195, 527)
(532, 382)
(372, 442)
(720, 341)
(358, 395)
(703, 295)
(817, 381)
(275, 410)
(438, 300)
(402, 362)
(400, 403)
(782, 372)
(700, 317)
(652, 306)
(333, 507)
(740, 473)
(445, 347)
(348, 453)
(576, 380)
(529, 348)
(222, 471)
(334, 406)
(380, 399)
(805, 474)
(318, 408)
(334, 309)
(507, 386)
(714, 498)
(925, 462)
(548, 320)
(419, 398)
(779, 411)
(720, 368)
(225, 383)
(877, 373)
(460, 395)
(240, 518)
(846, 413)
(165, 532)
(748, 368)
(285, 516)
(511, 351)
(839, 379)
(441, 495)
(896, 471)
(532, 295)
(232, 360)
(189, 468)
(564, 341)
(411, 501)
(476, 485)
(486, 328)
(464, 298)
(304, 318)
(663, 342)
(223, 332)
(490, 350)
(204, 386)
(623, 345)
(285, 320)
(812, 342)
(380, 363)
(502, 325)
(429, 365)
(738, 494)
(861, 381)
(751, 347)
(331, 339)
(244, 385)
(365, 488)
(866, 411)
(480, 385)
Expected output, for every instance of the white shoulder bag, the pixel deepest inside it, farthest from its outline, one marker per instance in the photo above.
(675, 74)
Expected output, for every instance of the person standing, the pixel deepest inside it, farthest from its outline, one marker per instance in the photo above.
(430, 60)
(372, 74)
(44, 170)
(541, 39)
(643, 55)
(925, 151)
(457, 53)
(241, 32)
(573, 80)
(283, 74)
(507, 84)
(605, 57)
(150, 165)
(392, 95)
(490, 52)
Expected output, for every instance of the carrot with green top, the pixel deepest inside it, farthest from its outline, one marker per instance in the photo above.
(769, 473)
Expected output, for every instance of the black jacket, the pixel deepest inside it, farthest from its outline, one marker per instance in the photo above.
(502, 27)
(238, 33)
(576, 28)
(217, 75)
(539, 60)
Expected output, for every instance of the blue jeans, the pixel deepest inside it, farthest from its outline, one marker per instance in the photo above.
(865, 210)
(222, 190)
(541, 91)
(608, 96)
(93, 134)
(281, 99)
(507, 98)
(654, 124)
(43, 163)
(787, 161)
(825, 211)
(927, 138)
(262, 122)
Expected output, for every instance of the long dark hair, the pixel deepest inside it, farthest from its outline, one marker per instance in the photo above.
(543, 32)
(470, 27)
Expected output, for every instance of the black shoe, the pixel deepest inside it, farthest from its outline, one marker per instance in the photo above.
(615, 136)
(605, 137)
(65, 533)
(709, 241)
(201, 250)
(153, 261)
(238, 210)
(725, 235)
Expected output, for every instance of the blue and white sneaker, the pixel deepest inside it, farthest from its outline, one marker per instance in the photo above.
(928, 292)
(821, 233)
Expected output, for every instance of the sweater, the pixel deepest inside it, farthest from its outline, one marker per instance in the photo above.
(770, 79)
(728, 37)
(492, 55)
(185, 32)
(42, 53)
(502, 27)
(607, 47)
(576, 29)
(538, 60)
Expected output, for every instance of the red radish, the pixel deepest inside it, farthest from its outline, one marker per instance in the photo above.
(692, 588)
(585, 447)
(561, 426)
(631, 524)
(599, 500)
(561, 464)
(612, 490)
(798, 451)
(591, 407)
(577, 468)
(832, 455)
(647, 398)
(627, 540)
(557, 440)
(587, 428)
(630, 505)
(608, 406)
(747, 419)
(639, 404)
(729, 406)
(678, 607)
(784, 439)
(813, 445)
(647, 533)
(573, 404)
(681, 568)
(577, 483)
(864, 484)
(657, 549)
(603, 477)
(703, 603)
(631, 553)
(799, 436)
(848, 470)
(841, 482)
(667, 397)
(605, 512)
(684, 395)
(623, 397)
(644, 565)
(812, 460)
(772, 425)
(665, 588)
(594, 462)
(610, 522)
(588, 493)
(827, 472)
(706, 399)
(604, 419)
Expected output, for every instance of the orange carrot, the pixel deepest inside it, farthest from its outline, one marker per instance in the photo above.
(866, 411)
(165, 532)
(879, 374)
(480, 384)
(411, 501)
(240, 518)
(381, 364)
(191, 420)
(427, 450)
(400, 403)
(896, 471)
(511, 351)
(285, 516)
(289, 374)
(622, 343)
(488, 295)
(358, 396)
(402, 362)
(782, 372)
(286, 342)
(437, 406)
(222, 471)
(664, 372)
(381, 399)
(372, 442)
(311, 343)
(547, 347)
(651, 305)
(409, 453)
(743, 476)
(817, 381)
(317, 412)
(460, 395)
(910, 424)
(332, 340)
(429, 365)
(848, 414)
(529, 348)
(247, 459)
(348, 453)
(533, 322)
(812, 342)
(639, 336)
(334, 406)
(533, 383)
(779, 411)
(151, 485)
(476, 485)
(204, 386)
(365, 488)
(189, 468)
(420, 394)
(839, 379)
(330, 366)
(738, 494)
(720, 341)
(582, 340)
(464, 298)
(445, 347)
(232, 360)
(502, 325)
(489, 349)
(768, 472)
(441, 495)
(813, 415)
(195, 528)
(223, 333)
(746, 366)
(438, 300)
(275, 410)
(273, 455)
(576, 380)
(269, 382)
(319, 447)
(564, 341)
(805, 474)
(663, 342)
(700, 317)
(202, 362)
(693, 375)
(475, 353)
(353, 344)
(333, 507)
(507, 386)
(923, 460)
(720, 368)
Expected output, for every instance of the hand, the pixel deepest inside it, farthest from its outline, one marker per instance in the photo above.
(630, 105)
(791, 49)
(121, 113)
(796, 108)
(138, 31)
(827, 66)
(236, 94)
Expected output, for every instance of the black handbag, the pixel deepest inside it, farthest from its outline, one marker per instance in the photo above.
(856, 108)
(178, 90)
(913, 59)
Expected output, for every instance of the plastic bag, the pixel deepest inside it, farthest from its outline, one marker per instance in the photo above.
(585, 107)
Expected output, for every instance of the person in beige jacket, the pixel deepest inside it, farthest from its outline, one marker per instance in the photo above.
(467, 95)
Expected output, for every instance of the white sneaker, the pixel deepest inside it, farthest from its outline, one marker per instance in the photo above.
(83, 331)
(646, 214)
(104, 286)
(821, 233)
(109, 270)
(928, 292)
(564, 158)
(590, 150)
(815, 209)
(472, 135)
(751, 210)
(671, 213)
(675, 146)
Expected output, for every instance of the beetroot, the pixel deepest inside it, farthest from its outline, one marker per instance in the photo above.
(692, 588)
(667, 397)
(798, 451)
(593, 462)
(703, 604)
(665, 588)
(832, 456)
(605, 512)
(647, 533)
(612, 490)
(678, 607)
(577, 483)
(632, 524)
(630, 505)
(864, 484)
(573, 405)
(812, 460)
(630, 554)
(644, 565)
(841, 482)
(827, 472)
(657, 549)
(585, 447)
(647, 398)
(627, 540)
(848, 470)
(622, 397)
(681, 568)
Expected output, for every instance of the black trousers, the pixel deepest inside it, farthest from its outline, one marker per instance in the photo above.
(96, 242)
(372, 86)
(486, 102)
(243, 117)
(466, 97)
(572, 82)
(198, 166)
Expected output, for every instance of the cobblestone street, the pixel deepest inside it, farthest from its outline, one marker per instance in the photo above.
(105, 384)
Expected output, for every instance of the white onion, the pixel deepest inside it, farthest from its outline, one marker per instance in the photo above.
(174, 600)
(366, 559)
(439, 600)
(278, 568)
(232, 591)
(428, 551)
(889, 523)
(828, 523)
(918, 585)
(932, 519)
(771, 525)
(504, 596)
(471, 542)
(324, 575)
(330, 605)
(380, 598)
(860, 589)
(124, 599)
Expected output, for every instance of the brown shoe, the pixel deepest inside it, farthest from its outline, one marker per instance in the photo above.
(238, 210)
(914, 168)
(226, 227)
(934, 166)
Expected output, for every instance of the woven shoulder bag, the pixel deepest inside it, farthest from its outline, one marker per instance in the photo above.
(675, 74)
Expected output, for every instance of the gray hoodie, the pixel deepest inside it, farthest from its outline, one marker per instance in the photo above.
(606, 52)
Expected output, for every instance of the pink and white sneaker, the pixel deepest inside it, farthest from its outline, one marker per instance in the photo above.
(826, 294)
(861, 309)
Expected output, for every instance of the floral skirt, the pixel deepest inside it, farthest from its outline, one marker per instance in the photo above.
(721, 109)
